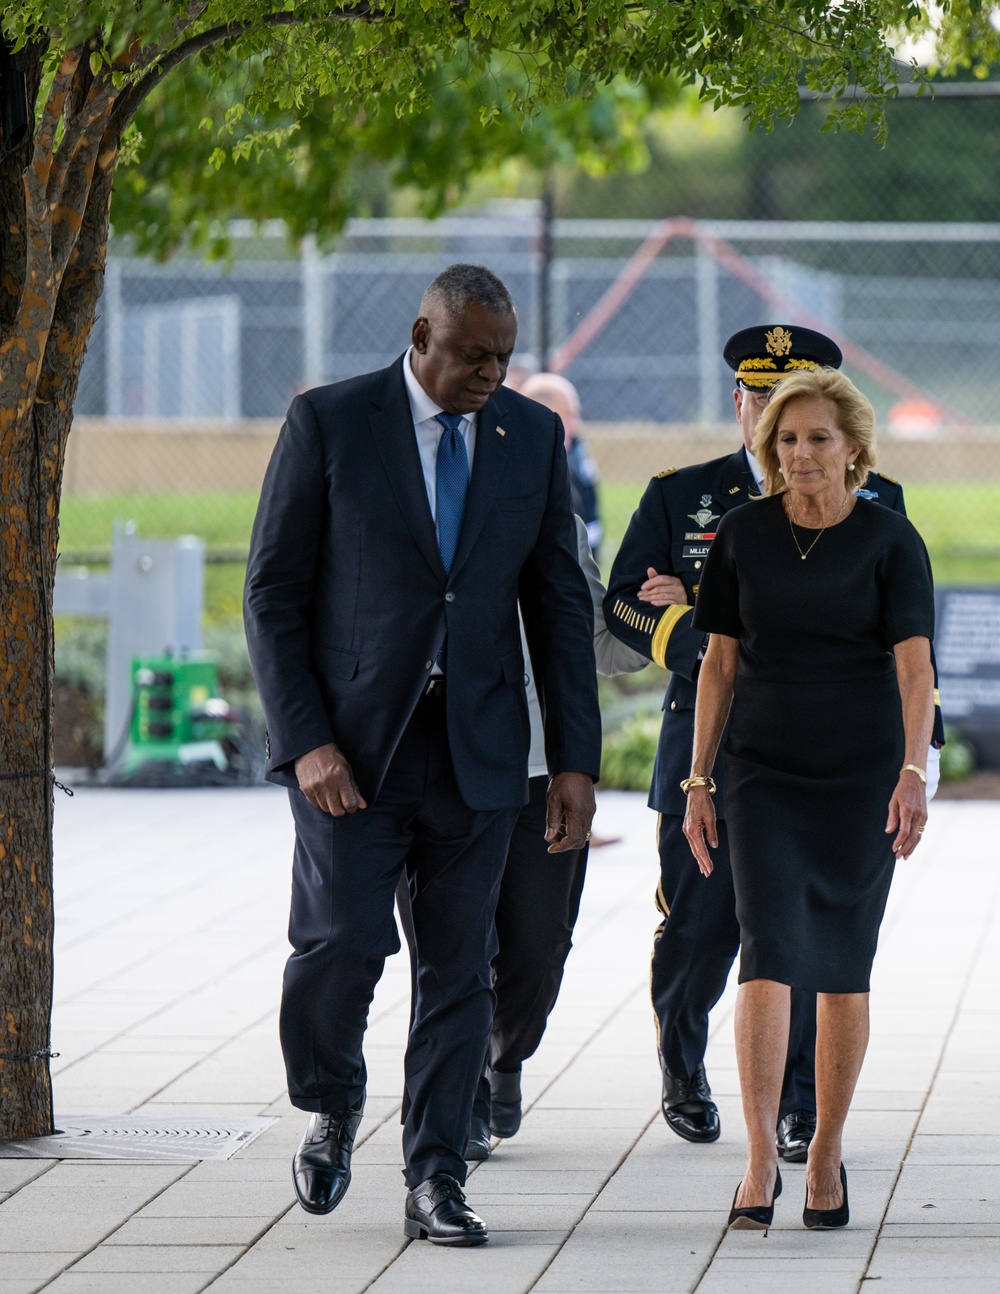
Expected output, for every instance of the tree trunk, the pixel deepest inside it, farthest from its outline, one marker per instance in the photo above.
(41, 354)
(28, 562)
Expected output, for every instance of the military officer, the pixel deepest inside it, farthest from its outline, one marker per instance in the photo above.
(651, 592)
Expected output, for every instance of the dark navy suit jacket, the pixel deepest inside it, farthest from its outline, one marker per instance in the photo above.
(671, 530)
(347, 603)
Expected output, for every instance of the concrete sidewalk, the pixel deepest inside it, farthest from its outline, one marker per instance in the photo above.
(171, 914)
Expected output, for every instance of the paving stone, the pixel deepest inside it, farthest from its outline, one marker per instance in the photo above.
(961, 1256)
(221, 1200)
(158, 1258)
(75, 1282)
(494, 1268)
(190, 1231)
(75, 1204)
(33, 1266)
(15, 1173)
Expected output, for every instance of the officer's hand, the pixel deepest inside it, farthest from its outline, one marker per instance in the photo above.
(699, 827)
(907, 814)
(326, 780)
(570, 811)
(662, 590)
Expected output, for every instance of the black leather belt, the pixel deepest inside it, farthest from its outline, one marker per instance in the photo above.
(434, 691)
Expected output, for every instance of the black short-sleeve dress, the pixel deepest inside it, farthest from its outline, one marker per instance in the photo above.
(815, 740)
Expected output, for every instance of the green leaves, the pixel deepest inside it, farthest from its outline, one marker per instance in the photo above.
(321, 97)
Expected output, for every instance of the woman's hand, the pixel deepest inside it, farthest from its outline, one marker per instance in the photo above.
(699, 827)
(662, 590)
(907, 814)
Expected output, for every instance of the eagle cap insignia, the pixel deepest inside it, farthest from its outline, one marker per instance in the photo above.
(779, 341)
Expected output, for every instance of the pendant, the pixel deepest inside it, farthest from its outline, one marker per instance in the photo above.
(804, 556)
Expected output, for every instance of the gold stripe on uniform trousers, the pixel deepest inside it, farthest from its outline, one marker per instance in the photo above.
(668, 622)
(664, 907)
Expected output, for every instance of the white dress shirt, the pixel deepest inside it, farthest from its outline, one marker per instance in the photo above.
(429, 431)
(758, 471)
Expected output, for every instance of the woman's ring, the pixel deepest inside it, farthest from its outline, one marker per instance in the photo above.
(920, 831)
(587, 836)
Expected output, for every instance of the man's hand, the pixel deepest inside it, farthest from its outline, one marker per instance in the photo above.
(570, 811)
(662, 590)
(326, 780)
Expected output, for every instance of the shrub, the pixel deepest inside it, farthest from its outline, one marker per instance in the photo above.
(958, 759)
(629, 752)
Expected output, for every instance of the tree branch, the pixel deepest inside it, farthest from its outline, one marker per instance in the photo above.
(51, 114)
(132, 99)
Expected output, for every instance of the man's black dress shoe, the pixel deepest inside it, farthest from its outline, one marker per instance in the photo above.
(795, 1132)
(757, 1217)
(827, 1219)
(437, 1211)
(505, 1103)
(321, 1169)
(478, 1145)
(688, 1106)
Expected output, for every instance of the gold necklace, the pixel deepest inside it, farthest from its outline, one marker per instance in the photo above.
(795, 537)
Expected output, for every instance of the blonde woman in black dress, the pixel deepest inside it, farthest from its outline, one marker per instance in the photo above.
(820, 609)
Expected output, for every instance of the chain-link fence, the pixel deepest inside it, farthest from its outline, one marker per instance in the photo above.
(192, 364)
(920, 303)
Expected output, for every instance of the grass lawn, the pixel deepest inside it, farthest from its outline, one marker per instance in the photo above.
(959, 522)
(222, 520)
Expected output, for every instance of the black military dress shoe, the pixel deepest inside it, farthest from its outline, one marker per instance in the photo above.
(505, 1103)
(688, 1106)
(321, 1169)
(795, 1133)
(478, 1145)
(437, 1211)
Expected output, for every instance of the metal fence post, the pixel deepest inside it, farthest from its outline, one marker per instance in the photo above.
(708, 337)
(111, 308)
(313, 349)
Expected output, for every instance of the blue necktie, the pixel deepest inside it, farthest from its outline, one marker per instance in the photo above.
(452, 480)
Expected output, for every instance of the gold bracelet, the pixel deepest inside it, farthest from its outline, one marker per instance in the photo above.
(912, 768)
(698, 779)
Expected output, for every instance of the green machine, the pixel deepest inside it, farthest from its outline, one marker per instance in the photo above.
(179, 726)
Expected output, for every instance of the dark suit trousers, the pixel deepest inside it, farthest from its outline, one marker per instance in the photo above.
(693, 951)
(539, 903)
(342, 928)
(537, 910)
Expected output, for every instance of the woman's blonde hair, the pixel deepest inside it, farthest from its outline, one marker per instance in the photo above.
(855, 418)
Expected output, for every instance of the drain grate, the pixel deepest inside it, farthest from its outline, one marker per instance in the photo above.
(80, 1137)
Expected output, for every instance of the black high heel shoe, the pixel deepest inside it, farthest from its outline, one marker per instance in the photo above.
(759, 1216)
(827, 1219)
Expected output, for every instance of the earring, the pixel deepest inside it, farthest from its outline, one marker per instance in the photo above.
(850, 467)
(780, 472)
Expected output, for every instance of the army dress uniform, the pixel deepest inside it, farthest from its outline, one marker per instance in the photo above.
(698, 938)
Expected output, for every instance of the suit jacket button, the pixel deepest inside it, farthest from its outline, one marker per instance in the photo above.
(449, 597)
(428, 664)
(673, 705)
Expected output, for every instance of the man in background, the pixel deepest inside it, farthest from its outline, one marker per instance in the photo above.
(561, 396)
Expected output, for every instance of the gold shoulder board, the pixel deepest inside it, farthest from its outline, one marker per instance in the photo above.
(669, 472)
(891, 479)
